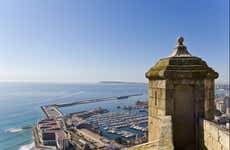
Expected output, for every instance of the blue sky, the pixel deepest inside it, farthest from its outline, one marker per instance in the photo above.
(94, 40)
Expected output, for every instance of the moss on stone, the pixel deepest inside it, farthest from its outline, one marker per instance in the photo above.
(181, 67)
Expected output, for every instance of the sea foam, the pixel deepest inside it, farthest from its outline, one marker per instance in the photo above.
(13, 130)
(27, 147)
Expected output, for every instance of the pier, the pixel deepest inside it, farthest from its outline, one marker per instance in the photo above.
(52, 111)
(95, 100)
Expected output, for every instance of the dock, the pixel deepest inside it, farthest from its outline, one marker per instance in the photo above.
(95, 100)
(118, 120)
(52, 111)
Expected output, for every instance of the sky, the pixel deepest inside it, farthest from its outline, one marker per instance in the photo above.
(107, 40)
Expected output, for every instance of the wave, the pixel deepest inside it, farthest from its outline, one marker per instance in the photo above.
(14, 130)
(30, 146)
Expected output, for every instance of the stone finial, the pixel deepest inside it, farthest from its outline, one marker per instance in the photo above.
(180, 40)
(181, 49)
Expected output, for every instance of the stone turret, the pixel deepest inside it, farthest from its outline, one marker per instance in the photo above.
(180, 86)
(181, 65)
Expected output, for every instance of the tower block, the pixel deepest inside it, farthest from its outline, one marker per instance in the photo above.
(180, 86)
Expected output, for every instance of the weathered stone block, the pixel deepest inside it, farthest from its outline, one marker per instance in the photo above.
(207, 126)
(160, 112)
(206, 136)
(215, 145)
(150, 92)
(161, 94)
(159, 84)
(207, 140)
(224, 147)
(214, 131)
(151, 110)
(151, 84)
(154, 112)
(224, 138)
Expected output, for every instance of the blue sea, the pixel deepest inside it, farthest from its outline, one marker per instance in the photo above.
(20, 105)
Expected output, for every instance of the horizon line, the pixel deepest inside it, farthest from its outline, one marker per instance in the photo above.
(71, 82)
(87, 82)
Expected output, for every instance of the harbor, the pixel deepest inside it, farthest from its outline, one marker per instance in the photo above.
(118, 120)
(94, 129)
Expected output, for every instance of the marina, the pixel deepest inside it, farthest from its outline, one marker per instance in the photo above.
(117, 120)
(97, 127)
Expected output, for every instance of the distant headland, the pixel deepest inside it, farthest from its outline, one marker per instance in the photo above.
(120, 82)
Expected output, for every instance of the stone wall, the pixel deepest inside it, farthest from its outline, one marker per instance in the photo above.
(214, 136)
(156, 108)
(150, 146)
(209, 104)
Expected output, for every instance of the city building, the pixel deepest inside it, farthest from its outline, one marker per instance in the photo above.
(50, 134)
(222, 104)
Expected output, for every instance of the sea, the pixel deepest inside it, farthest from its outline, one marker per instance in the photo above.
(20, 105)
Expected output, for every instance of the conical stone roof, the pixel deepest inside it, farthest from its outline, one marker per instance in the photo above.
(181, 65)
